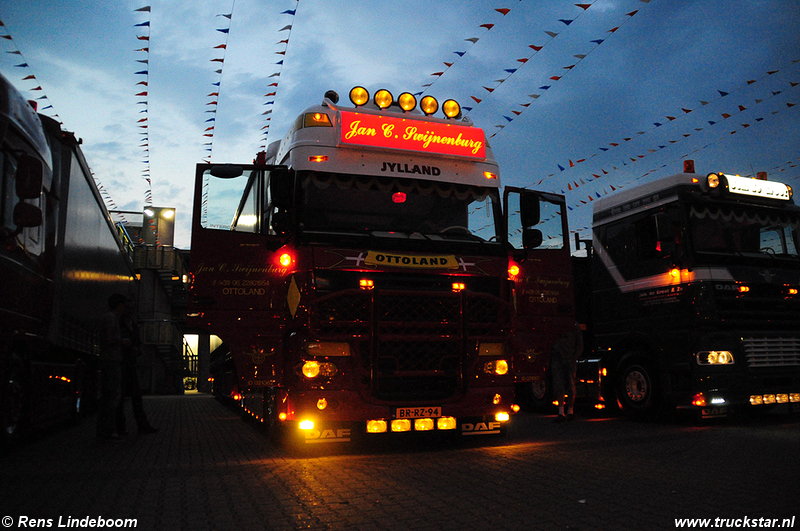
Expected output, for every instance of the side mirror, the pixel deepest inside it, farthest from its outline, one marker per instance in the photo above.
(532, 238)
(280, 188)
(529, 209)
(281, 221)
(27, 215)
(29, 177)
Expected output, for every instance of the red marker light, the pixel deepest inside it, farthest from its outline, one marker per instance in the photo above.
(399, 197)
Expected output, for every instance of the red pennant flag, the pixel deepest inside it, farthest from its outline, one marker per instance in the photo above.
(742, 108)
(223, 46)
(687, 111)
(476, 99)
(612, 30)
(584, 6)
(503, 10)
(437, 74)
(523, 60)
(142, 94)
(487, 26)
(726, 115)
(489, 89)
(555, 78)
(631, 13)
(537, 48)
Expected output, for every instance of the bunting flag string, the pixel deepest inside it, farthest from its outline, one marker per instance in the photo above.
(272, 88)
(508, 72)
(541, 91)
(142, 88)
(5, 34)
(572, 186)
(459, 54)
(685, 113)
(213, 96)
(213, 103)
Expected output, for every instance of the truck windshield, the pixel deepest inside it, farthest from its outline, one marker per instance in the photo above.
(397, 208)
(744, 231)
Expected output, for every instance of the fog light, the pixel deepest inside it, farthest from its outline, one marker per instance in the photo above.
(407, 101)
(359, 96)
(383, 99)
(307, 425)
(311, 369)
(451, 109)
(399, 425)
(502, 416)
(501, 367)
(423, 424)
(376, 426)
(429, 105)
(446, 423)
(756, 400)
(782, 398)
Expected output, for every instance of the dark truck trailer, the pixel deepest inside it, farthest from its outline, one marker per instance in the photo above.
(689, 296)
(60, 260)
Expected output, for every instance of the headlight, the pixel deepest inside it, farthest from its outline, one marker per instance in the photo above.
(313, 368)
(715, 357)
(499, 367)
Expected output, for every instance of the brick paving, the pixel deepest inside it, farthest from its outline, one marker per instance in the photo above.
(206, 469)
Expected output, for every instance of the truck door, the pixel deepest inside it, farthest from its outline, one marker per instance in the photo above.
(544, 300)
(238, 290)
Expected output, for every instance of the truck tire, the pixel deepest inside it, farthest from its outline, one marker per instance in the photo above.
(636, 388)
(537, 395)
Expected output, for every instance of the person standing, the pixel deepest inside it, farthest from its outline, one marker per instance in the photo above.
(130, 377)
(111, 355)
(563, 366)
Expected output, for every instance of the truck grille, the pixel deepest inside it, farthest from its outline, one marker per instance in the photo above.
(415, 344)
(772, 351)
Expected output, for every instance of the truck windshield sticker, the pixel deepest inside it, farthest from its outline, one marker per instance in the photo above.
(413, 261)
(410, 135)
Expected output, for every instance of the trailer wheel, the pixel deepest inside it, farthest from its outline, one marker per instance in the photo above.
(636, 391)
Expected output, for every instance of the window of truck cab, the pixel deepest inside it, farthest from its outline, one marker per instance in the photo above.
(744, 232)
(390, 207)
(238, 204)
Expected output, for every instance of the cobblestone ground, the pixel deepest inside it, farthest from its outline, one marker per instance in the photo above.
(206, 469)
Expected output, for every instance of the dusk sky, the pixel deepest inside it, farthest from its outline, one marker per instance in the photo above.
(577, 98)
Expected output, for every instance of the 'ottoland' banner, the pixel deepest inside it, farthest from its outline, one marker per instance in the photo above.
(390, 132)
